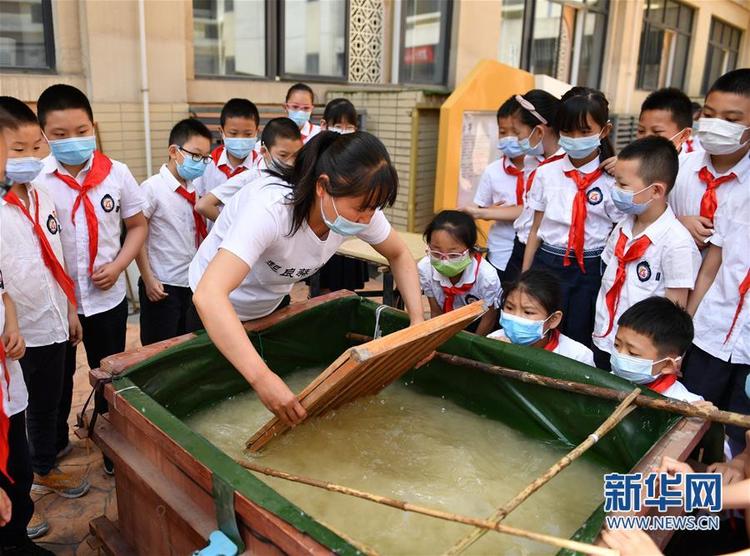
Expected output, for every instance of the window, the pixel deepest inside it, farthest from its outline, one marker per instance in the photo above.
(723, 50)
(26, 39)
(511, 33)
(665, 42)
(424, 41)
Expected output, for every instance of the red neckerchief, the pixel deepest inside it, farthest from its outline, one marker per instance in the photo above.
(554, 340)
(577, 233)
(708, 201)
(744, 287)
(452, 291)
(4, 418)
(200, 223)
(224, 168)
(100, 168)
(48, 255)
(511, 170)
(662, 383)
(689, 146)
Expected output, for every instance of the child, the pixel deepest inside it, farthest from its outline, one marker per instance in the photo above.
(174, 233)
(649, 252)
(710, 179)
(453, 273)
(239, 121)
(279, 144)
(502, 183)
(652, 337)
(535, 107)
(44, 295)
(718, 362)
(574, 212)
(340, 116)
(93, 196)
(668, 113)
(300, 101)
(531, 315)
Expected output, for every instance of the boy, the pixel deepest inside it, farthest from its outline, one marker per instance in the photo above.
(649, 253)
(652, 337)
(16, 474)
(710, 179)
(239, 121)
(93, 196)
(44, 294)
(175, 230)
(668, 113)
(280, 142)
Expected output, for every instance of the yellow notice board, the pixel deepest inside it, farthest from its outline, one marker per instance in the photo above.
(468, 129)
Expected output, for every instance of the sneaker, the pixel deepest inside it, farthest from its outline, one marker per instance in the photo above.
(67, 485)
(65, 451)
(25, 548)
(37, 527)
(109, 466)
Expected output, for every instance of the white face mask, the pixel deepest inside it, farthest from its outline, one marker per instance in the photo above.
(719, 136)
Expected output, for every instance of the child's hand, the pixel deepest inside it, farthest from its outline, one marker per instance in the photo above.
(14, 345)
(105, 276)
(6, 508)
(673, 467)
(700, 227)
(730, 472)
(608, 165)
(75, 330)
(705, 405)
(630, 542)
(154, 289)
(471, 211)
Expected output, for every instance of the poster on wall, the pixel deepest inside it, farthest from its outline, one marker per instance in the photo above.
(478, 150)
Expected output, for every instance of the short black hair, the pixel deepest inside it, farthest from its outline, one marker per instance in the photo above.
(539, 284)
(62, 97)
(340, 110)
(183, 130)
(300, 87)
(657, 157)
(735, 81)
(508, 108)
(279, 128)
(239, 108)
(18, 110)
(696, 110)
(6, 122)
(668, 325)
(457, 223)
(674, 101)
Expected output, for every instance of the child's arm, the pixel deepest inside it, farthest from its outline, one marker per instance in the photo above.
(106, 275)
(15, 347)
(154, 288)
(75, 330)
(706, 275)
(500, 213)
(435, 309)
(487, 323)
(533, 242)
(208, 206)
(6, 508)
(678, 295)
(700, 227)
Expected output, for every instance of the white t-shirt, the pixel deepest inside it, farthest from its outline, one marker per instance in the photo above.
(254, 226)
(671, 261)
(566, 346)
(486, 286)
(215, 173)
(229, 188)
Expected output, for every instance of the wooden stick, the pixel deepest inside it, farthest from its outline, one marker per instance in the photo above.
(439, 514)
(611, 422)
(672, 406)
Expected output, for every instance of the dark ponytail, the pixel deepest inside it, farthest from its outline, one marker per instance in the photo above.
(577, 104)
(357, 164)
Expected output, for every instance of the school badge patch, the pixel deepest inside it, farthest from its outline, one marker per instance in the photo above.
(108, 203)
(643, 269)
(52, 225)
(594, 196)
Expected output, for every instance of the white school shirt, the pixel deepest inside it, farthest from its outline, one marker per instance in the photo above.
(496, 186)
(170, 244)
(308, 131)
(685, 197)
(213, 176)
(15, 395)
(522, 224)
(714, 316)
(254, 226)
(566, 347)
(41, 304)
(671, 261)
(678, 392)
(116, 198)
(486, 286)
(553, 193)
(229, 188)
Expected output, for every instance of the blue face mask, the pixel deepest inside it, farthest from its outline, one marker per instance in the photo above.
(299, 117)
(579, 147)
(520, 330)
(635, 369)
(747, 386)
(341, 225)
(74, 150)
(510, 147)
(190, 169)
(23, 170)
(623, 200)
(536, 150)
(240, 146)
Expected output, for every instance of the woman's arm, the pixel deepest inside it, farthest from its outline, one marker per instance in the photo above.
(405, 272)
(706, 275)
(223, 274)
(532, 244)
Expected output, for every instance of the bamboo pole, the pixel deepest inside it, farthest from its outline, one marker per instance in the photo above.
(611, 422)
(431, 512)
(672, 406)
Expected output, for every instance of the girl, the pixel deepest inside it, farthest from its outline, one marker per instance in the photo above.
(531, 315)
(453, 273)
(270, 236)
(573, 209)
(299, 104)
(533, 125)
(340, 116)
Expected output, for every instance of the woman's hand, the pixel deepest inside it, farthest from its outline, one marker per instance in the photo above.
(278, 398)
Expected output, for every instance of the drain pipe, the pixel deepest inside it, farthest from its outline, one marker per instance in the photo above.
(144, 86)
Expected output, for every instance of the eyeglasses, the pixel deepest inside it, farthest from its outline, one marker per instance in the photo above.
(526, 105)
(197, 157)
(344, 129)
(446, 256)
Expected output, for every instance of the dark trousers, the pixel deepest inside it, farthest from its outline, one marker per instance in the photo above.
(579, 291)
(720, 382)
(167, 318)
(601, 359)
(43, 371)
(515, 263)
(19, 468)
(103, 335)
